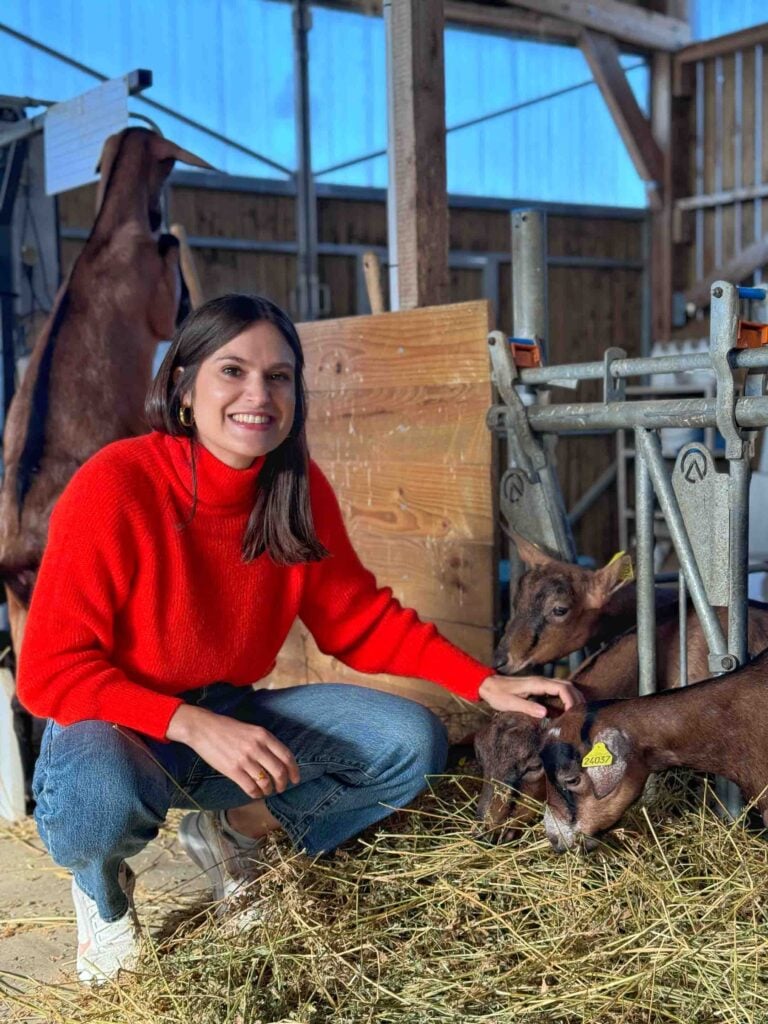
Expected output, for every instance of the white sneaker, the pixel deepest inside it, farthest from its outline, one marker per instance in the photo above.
(105, 947)
(229, 868)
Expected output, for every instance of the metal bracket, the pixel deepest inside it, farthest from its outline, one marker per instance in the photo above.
(724, 325)
(528, 453)
(614, 389)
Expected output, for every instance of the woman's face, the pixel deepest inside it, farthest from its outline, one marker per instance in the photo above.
(244, 396)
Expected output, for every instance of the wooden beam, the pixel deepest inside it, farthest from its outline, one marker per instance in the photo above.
(602, 55)
(742, 265)
(622, 21)
(418, 108)
(742, 40)
(511, 20)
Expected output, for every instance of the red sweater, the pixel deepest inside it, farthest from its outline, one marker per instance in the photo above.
(131, 607)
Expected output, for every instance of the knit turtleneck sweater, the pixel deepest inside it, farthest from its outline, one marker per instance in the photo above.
(138, 599)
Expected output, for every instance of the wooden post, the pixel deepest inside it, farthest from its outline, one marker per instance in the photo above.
(661, 212)
(418, 174)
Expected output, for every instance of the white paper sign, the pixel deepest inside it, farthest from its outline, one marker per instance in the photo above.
(74, 133)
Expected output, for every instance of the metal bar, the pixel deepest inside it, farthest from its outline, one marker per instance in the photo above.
(646, 595)
(307, 279)
(648, 447)
(592, 493)
(394, 268)
(740, 359)
(621, 488)
(690, 412)
(529, 275)
(682, 597)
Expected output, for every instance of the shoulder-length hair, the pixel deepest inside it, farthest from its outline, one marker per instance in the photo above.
(281, 520)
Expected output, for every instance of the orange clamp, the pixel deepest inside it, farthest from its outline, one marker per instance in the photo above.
(751, 334)
(526, 354)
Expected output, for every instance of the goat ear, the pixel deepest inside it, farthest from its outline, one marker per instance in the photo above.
(529, 552)
(606, 581)
(606, 777)
(164, 149)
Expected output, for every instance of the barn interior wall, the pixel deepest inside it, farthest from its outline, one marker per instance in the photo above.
(592, 306)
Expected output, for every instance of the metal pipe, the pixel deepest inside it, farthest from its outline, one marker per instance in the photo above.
(592, 493)
(682, 597)
(751, 412)
(394, 267)
(529, 275)
(756, 358)
(647, 445)
(306, 204)
(646, 593)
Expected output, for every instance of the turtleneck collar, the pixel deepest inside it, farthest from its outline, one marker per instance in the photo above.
(218, 485)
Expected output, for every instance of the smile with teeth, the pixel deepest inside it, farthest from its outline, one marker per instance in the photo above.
(245, 417)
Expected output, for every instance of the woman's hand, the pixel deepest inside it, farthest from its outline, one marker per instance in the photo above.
(509, 693)
(249, 755)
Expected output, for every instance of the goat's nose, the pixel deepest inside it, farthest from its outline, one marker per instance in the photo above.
(499, 658)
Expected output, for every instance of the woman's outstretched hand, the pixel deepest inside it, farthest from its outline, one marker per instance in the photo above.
(510, 693)
(248, 754)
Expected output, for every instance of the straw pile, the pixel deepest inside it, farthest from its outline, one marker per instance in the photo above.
(422, 922)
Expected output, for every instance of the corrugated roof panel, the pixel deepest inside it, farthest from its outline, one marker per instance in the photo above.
(224, 63)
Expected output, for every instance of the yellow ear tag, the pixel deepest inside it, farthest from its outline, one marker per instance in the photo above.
(598, 756)
(627, 570)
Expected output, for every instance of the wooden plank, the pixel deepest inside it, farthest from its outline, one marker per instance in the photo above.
(444, 424)
(731, 195)
(741, 40)
(407, 349)
(480, 15)
(622, 21)
(418, 112)
(737, 270)
(602, 55)
(392, 499)
(450, 580)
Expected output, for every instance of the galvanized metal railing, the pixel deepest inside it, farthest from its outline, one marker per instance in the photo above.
(706, 510)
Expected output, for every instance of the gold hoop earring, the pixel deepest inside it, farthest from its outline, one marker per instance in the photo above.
(186, 416)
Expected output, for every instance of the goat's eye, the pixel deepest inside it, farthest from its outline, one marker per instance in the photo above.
(533, 769)
(572, 781)
(560, 611)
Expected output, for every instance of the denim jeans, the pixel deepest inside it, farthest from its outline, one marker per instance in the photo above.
(102, 792)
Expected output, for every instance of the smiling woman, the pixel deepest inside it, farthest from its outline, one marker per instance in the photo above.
(181, 558)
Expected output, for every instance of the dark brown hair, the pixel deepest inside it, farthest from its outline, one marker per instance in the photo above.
(281, 521)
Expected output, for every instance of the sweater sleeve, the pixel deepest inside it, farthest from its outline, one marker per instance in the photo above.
(65, 670)
(362, 624)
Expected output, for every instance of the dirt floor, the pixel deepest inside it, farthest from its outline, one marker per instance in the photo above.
(37, 922)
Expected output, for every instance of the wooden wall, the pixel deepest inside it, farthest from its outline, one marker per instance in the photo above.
(593, 305)
(722, 160)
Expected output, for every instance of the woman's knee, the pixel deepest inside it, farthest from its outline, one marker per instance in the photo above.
(413, 734)
(95, 789)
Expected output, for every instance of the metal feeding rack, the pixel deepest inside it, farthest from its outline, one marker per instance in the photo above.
(706, 509)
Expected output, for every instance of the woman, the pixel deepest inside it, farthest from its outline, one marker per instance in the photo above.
(183, 557)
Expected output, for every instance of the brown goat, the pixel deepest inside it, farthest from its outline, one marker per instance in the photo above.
(559, 607)
(717, 726)
(92, 362)
(507, 747)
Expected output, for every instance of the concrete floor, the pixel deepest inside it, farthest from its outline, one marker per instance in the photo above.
(37, 921)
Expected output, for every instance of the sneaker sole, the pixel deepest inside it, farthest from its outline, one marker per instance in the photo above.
(197, 848)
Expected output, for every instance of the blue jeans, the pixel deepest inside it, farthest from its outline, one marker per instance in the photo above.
(103, 792)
